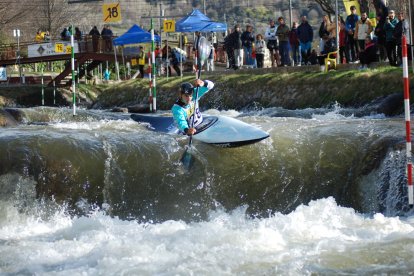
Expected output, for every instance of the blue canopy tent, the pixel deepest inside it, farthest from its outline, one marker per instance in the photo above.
(197, 21)
(134, 35)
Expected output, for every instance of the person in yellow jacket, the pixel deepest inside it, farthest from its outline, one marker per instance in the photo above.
(363, 28)
(40, 36)
(141, 61)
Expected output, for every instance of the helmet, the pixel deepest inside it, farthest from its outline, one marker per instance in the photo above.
(187, 88)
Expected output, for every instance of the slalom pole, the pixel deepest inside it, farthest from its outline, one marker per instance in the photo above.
(43, 89)
(154, 89)
(54, 92)
(150, 81)
(72, 46)
(407, 120)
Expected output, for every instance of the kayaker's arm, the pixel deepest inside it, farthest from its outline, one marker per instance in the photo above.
(205, 86)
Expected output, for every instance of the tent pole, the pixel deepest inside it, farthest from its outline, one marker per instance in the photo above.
(123, 62)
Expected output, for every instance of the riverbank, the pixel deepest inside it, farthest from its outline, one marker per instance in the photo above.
(290, 88)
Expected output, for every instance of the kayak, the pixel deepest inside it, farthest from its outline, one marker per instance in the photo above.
(217, 130)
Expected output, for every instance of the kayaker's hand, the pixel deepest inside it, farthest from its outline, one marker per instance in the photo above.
(198, 82)
(191, 131)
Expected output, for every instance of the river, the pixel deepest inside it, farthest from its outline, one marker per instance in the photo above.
(99, 194)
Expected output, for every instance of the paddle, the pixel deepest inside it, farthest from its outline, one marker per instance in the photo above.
(203, 51)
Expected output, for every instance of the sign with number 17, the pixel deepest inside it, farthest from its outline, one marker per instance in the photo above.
(111, 12)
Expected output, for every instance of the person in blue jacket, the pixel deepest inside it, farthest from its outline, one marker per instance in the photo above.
(185, 108)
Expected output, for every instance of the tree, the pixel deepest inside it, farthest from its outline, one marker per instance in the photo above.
(10, 13)
(54, 15)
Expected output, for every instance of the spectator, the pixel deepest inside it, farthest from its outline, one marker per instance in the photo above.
(95, 38)
(237, 46)
(183, 41)
(363, 28)
(141, 61)
(330, 42)
(247, 38)
(210, 59)
(305, 35)
(323, 32)
(174, 61)
(381, 41)
(158, 59)
(390, 41)
(402, 28)
(313, 58)
(78, 34)
(107, 37)
(39, 36)
(295, 45)
(47, 37)
(343, 54)
(65, 35)
(283, 36)
(272, 43)
(229, 50)
(369, 54)
(350, 25)
(260, 50)
(195, 48)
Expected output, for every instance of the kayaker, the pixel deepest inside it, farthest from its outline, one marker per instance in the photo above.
(183, 108)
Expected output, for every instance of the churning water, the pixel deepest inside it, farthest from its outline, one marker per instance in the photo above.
(99, 194)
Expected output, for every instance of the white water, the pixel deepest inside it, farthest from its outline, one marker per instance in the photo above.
(321, 238)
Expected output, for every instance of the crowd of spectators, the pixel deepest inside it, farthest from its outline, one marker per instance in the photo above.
(361, 40)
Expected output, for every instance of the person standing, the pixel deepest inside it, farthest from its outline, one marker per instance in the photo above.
(237, 46)
(260, 47)
(402, 28)
(272, 43)
(283, 36)
(343, 54)
(247, 38)
(390, 41)
(305, 35)
(350, 24)
(141, 61)
(295, 44)
(381, 41)
(95, 38)
(229, 50)
(363, 28)
(323, 32)
(107, 37)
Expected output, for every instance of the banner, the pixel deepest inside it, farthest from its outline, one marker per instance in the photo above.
(349, 3)
(51, 49)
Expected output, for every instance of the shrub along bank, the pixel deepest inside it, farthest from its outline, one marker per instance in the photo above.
(236, 90)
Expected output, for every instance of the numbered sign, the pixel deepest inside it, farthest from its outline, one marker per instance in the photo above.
(169, 26)
(59, 48)
(68, 49)
(111, 12)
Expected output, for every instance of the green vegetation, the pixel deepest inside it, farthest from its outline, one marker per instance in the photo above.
(238, 90)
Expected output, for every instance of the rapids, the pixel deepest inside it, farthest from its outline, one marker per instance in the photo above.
(100, 194)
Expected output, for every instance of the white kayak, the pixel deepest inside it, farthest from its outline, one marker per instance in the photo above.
(218, 130)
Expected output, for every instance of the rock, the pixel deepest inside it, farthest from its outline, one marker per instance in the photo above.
(6, 119)
(120, 109)
(16, 113)
(139, 108)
